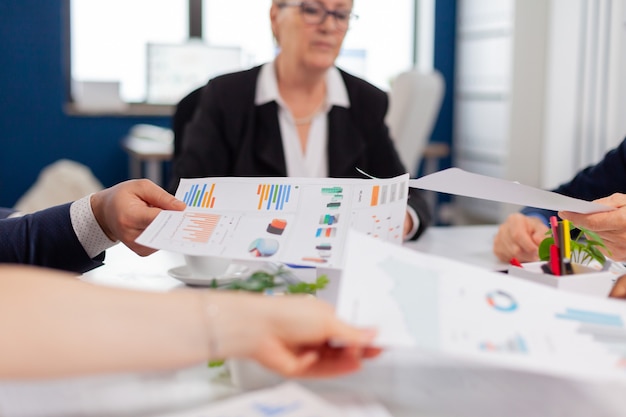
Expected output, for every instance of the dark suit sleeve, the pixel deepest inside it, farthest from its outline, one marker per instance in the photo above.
(203, 152)
(212, 139)
(596, 181)
(5, 212)
(45, 238)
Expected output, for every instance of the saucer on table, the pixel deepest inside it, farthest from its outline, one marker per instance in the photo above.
(184, 274)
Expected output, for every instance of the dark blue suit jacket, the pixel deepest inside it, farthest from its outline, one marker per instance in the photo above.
(45, 238)
(601, 180)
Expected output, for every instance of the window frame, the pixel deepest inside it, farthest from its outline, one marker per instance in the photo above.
(195, 31)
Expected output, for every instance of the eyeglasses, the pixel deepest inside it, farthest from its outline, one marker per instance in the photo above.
(314, 13)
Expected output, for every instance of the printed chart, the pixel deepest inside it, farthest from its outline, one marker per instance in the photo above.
(294, 220)
(425, 302)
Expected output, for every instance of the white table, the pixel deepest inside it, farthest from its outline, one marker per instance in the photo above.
(408, 383)
(469, 244)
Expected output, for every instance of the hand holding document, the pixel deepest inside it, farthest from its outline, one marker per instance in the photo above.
(458, 182)
(463, 312)
(300, 221)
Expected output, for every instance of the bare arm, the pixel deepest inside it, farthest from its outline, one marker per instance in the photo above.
(60, 327)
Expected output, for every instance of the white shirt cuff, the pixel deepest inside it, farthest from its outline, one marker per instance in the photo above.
(416, 222)
(87, 229)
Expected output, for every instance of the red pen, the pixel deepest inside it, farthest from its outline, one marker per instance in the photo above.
(555, 260)
(515, 262)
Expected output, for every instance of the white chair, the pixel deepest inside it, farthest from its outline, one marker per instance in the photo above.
(414, 103)
(58, 183)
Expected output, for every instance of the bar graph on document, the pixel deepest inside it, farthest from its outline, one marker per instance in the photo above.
(607, 330)
(273, 196)
(238, 195)
(379, 211)
(198, 196)
(197, 228)
(386, 194)
(514, 344)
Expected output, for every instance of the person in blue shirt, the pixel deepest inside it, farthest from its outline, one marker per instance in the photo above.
(605, 183)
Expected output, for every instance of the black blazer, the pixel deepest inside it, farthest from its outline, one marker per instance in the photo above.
(230, 136)
(45, 238)
(596, 181)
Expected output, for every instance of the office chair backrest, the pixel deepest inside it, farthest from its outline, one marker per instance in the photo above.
(414, 103)
(182, 115)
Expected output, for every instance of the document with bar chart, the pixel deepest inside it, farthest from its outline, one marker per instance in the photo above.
(301, 221)
(422, 301)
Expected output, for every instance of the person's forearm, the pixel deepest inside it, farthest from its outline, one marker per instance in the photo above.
(60, 327)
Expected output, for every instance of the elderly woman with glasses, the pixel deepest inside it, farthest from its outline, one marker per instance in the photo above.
(298, 116)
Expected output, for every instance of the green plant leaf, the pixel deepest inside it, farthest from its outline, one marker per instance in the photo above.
(544, 248)
(308, 288)
(583, 250)
(593, 237)
(596, 254)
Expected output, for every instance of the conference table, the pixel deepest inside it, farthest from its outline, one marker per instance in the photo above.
(404, 382)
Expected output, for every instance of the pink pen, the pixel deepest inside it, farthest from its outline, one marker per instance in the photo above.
(554, 224)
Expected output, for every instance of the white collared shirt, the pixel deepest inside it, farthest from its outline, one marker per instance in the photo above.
(313, 162)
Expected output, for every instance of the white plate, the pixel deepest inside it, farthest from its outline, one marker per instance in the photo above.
(182, 273)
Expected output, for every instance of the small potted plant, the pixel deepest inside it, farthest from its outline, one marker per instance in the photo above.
(589, 273)
(585, 246)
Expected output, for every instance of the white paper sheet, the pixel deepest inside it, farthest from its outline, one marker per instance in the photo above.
(439, 305)
(286, 400)
(458, 182)
(300, 221)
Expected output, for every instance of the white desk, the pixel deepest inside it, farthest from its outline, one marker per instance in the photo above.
(408, 383)
(470, 244)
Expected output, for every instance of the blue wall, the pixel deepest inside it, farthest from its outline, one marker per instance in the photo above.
(34, 130)
(444, 61)
(445, 51)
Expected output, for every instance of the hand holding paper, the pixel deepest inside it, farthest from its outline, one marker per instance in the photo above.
(460, 311)
(459, 182)
(610, 226)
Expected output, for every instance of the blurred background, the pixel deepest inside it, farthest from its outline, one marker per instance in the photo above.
(532, 88)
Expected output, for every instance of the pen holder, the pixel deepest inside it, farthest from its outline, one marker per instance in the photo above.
(590, 282)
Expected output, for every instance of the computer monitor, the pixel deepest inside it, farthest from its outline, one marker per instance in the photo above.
(174, 70)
